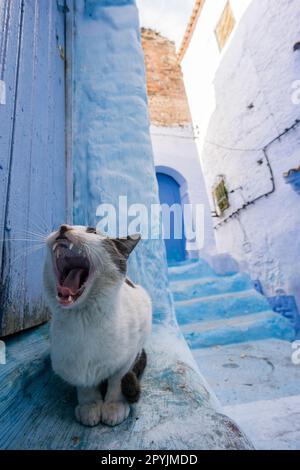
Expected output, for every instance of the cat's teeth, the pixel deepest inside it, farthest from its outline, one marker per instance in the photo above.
(57, 253)
(71, 246)
(54, 246)
(70, 298)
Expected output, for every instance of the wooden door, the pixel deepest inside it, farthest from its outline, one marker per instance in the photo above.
(32, 152)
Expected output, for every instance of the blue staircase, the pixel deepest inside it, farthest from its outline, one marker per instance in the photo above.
(219, 310)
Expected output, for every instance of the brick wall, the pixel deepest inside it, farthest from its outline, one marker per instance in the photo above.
(166, 93)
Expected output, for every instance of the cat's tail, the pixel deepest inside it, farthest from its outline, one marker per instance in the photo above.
(130, 384)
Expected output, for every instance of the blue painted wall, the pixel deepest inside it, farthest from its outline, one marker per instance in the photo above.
(112, 153)
(32, 152)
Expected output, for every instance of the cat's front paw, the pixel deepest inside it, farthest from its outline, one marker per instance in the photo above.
(89, 414)
(114, 413)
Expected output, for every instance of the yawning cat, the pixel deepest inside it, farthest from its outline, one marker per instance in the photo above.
(100, 320)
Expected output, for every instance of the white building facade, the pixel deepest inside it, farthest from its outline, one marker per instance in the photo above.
(242, 70)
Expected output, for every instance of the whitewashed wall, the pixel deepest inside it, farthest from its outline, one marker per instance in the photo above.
(242, 99)
(203, 57)
(174, 148)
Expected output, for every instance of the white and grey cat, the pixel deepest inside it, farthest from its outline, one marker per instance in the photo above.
(100, 321)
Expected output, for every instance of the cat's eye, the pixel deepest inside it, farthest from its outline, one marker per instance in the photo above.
(91, 230)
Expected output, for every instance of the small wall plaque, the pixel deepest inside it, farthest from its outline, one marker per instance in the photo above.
(220, 195)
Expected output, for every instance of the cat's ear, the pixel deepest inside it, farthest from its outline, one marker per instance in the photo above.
(126, 245)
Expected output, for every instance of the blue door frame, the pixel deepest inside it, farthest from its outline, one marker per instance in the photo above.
(32, 151)
(169, 193)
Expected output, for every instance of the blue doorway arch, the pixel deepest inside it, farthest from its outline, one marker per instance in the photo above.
(169, 193)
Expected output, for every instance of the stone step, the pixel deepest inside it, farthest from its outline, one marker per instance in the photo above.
(204, 287)
(190, 270)
(272, 424)
(258, 385)
(240, 329)
(221, 306)
(251, 371)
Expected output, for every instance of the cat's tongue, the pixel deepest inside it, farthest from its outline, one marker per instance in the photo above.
(70, 286)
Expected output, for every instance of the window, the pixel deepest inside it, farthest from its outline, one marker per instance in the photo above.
(220, 196)
(225, 26)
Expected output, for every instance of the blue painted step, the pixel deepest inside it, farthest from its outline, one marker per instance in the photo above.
(220, 306)
(204, 287)
(238, 330)
(190, 270)
(217, 310)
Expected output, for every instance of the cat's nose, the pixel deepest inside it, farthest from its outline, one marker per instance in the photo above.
(63, 229)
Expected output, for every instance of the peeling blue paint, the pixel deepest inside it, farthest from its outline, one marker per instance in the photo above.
(293, 178)
(94, 8)
(112, 150)
(286, 306)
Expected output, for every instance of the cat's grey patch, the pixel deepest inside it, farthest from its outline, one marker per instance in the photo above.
(117, 258)
(131, 388)
(126, 245)
(130, 384)
(120, 249)
(129, 282)
(140, 363)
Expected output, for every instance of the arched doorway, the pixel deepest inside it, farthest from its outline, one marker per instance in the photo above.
(169, 193)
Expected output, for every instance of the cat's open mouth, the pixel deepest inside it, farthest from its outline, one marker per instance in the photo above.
(72, 269)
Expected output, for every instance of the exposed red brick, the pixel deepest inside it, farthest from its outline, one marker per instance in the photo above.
(166, 93)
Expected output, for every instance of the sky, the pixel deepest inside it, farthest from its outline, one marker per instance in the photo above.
(168, 17)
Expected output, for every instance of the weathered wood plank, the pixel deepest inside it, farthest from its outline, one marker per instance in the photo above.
(10, 18)
(35, 193)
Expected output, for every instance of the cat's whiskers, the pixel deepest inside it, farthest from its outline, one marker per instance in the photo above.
(26, 253)
(43, 222)
(29, 220)
(28, 233)
(36, 234)
(93, 254)
(89, 253)
(29, 240)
